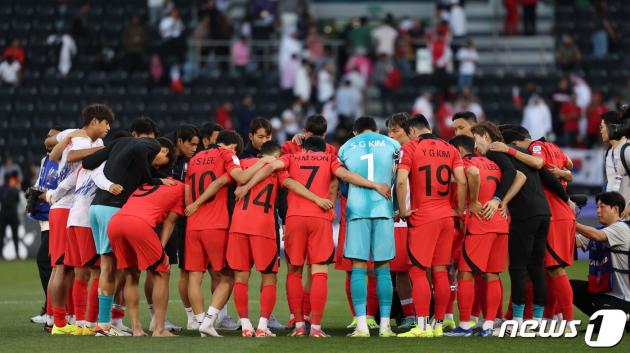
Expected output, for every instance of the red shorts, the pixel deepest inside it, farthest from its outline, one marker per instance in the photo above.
(484, 253)
(135, 244)
(400, 263)
(430, 244)
(308, 239)
(205, 249)
(245, 250)
(560, 243)
(58, 221)
(456, 249)
(80, 249)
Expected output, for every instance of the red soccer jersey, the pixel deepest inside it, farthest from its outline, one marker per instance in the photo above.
(430, 162)
(291, 147)
(205, 167)
(553, 156)
(489, 177)
(152, 203)
(255, 213)
(314, 170)
(572, 112)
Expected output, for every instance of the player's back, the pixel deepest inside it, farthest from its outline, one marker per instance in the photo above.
(554, 157)
(372, 156)
(430, 162)
(489, 178)
(152, 203)
(290, 147)
(255, 213)
(204, 168)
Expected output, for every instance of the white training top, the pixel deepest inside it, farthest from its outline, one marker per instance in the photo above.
(61, 196)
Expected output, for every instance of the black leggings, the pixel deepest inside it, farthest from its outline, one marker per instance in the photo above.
(526, 245)
(14, 223)
(43, 262)
(589, 303)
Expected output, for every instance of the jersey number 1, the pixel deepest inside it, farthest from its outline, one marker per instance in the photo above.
(370, 162)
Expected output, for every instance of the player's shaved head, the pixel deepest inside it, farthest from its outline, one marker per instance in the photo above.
(314, 144)
(363, 124)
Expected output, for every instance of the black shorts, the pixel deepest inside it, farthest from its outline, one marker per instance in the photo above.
(175, 246)
(527, 242)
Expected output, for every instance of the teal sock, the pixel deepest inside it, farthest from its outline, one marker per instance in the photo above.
(358, 290)
(517, 310)
(384, 290)
(105, 303)
(538, 311)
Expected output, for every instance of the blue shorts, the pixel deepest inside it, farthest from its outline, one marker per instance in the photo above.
(99, 221)
(370, 239)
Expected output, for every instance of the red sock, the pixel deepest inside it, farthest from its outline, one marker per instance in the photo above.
(465, 298)
(372, 298)
(564, 295)
(49, 310)
(528, 314)
(500, 309)
(349, 295)
(421, 290)
(478, 303)
(319, 293)
(92, 314)
(450, 307)
(407, 307)
(306, 303)
(441, 288)
(493, 299)
(550, 306)
(267, 300)
(241, 299)
(295, 295)
(118, 312)
(70, 302)
(508, 315)
(79, 296)
(59, 316)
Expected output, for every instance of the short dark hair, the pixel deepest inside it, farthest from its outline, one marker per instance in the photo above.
(314, 144)
(166, 143)
(228, 137)
(612, 199)
(486, 127)
(97, 111)
(512, 135)
(270, 147)
(144, 125)
(206, 130)
(57, 128)
(419, 122)
(463, 141)
(186, 132)
(118, 134)
(364, 123)
(611, 117)
(259, 123)
(468, 116)
(399, 119)
(316, 124)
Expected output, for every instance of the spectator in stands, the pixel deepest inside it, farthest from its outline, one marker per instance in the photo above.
(561, 95)
(302, 87)
(156, 69)
(582, 92)
(348, 100)
(468, 58)
(200, 34)
(291, 118)
(16, 51)
(289, 45)
(537, 117)
(441, 57)
(265, 16)
(360, 63)
(329, 111)
(9, 201)
(568, 56)
(594, 118)
(156, 8)
(240, 55)
(325, 84)
(106, 59)
(244, 114)
(444, 116)
(81, 29)
(529, 16)
(423, 106)
(171, 31)
(10, 71)
(625, 92)
(134, 38)
(387, 78)
(221, 30)
(314, 45)
(288, 71)
(385, 36)
(67, 52)
(8, 168)
(468, 102)
(458, 20)
(603, 30)
(570, 114)
(360, 36)
(224, 116)
(510, 24)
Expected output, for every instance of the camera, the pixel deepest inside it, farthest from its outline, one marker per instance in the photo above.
(32, 198)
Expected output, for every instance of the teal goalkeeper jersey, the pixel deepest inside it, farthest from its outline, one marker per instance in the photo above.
(373, 156)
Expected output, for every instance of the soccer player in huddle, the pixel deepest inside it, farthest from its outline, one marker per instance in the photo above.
(370, 223)
(429, 163)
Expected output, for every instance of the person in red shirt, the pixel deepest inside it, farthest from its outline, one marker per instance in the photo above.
(253, 238)
(208, 223)
(137, 246)
(485, 245)
(570, 114)
(428, 164)
(561, 235)
(16, 51)
(594, 119)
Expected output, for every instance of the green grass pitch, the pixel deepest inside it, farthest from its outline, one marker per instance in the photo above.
(21, 298)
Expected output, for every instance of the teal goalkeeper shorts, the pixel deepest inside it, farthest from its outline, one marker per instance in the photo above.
(99, 221)
(370, 239)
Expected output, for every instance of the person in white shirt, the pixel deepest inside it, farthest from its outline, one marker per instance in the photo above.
(423, 106)
(68, 50)
(385, 36)
(458, 19)
(171, 26)
(348, 100)
(302, 86)
(468, 58)
(10, 71)
(326, 83)
(537, 117)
